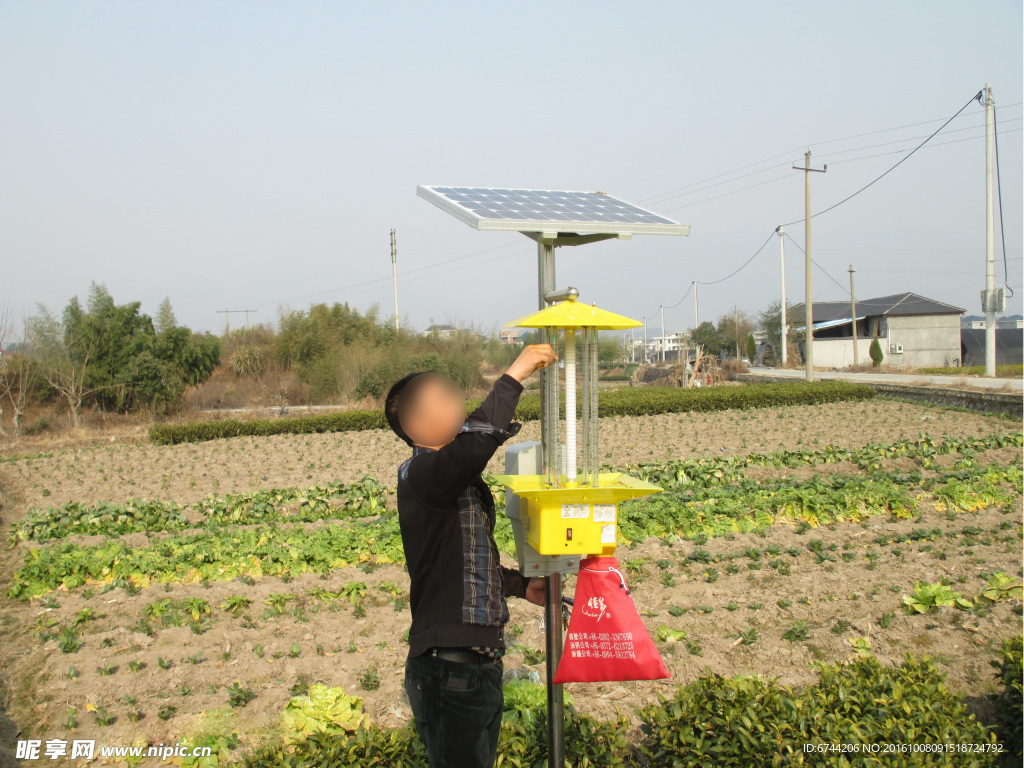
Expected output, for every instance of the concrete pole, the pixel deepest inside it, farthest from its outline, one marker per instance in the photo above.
(645, 340)
(808, 262)
(782, 262)
(661, 345)
(394, 276)
(736, 327)
(853, 314)
(696, 320)
(990, 264)
(808, 293)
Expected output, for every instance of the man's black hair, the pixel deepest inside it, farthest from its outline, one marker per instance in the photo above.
(400, 396)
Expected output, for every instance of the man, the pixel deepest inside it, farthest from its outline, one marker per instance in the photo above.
(458, 587)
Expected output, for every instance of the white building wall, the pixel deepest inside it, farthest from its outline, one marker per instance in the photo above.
(927, 340)
(838, 353)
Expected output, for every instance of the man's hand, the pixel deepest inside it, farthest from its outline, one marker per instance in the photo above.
(535, 591)
(530, 359)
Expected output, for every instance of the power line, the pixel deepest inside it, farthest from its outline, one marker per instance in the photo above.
(999, 187)
(742, 267)
(406, 272)
(667, 193)
(930, 146)
(835, 162)
(825, 271)
(894, 167)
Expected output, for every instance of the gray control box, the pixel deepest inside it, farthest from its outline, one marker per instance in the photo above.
(525, 459)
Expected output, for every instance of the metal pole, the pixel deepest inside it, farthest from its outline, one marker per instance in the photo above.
(394, 276)
(990, 265)
(663, 336)
(570, 406)
(585, 403)
(553, 587)
(594, 465)
(782, 262)
(645, 340)
(594, 352)
(853, 314)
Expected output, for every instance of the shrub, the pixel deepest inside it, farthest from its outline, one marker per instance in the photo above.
(875, 352)
(1008, 702)
(625, 401)
(247, 361)
(755, 723)
(744, 721)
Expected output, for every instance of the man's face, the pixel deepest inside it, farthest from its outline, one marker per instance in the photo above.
(437, 414)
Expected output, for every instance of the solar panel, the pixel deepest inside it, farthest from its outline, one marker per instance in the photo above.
(542, 210)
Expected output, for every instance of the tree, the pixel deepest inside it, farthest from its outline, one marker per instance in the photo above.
(708, 337)
(6, 326)
(771, 322)
(165, 319)
(63, 352)
(112, 355)
(875, 351)
(751, 348)
(609, 349)
(733, 338)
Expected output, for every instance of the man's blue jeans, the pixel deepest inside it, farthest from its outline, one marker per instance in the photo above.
(457, 708)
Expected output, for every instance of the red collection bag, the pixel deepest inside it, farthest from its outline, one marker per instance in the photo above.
(606, 640)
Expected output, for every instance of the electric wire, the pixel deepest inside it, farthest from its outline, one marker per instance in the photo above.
(741, 267)
(999, 187)
(835, 162)
(667, 193)
(894, 167)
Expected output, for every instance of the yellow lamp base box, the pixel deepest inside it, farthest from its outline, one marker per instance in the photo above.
(578, 520)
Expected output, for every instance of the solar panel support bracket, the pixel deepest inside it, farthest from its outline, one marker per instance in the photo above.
(571, 238)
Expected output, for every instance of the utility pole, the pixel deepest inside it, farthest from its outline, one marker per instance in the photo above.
(782, 260)
(696, 321)
(989, 298)
(394, 276)
(645, 339)
(227, 317)
(853, 314)
(736, 324)
(808, 301)
(664, 336)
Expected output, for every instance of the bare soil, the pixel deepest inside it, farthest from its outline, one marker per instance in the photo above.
(841, 599)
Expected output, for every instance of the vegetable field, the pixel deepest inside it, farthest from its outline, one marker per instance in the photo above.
(248, 594)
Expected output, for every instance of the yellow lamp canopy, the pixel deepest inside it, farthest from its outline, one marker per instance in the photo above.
(572, 314)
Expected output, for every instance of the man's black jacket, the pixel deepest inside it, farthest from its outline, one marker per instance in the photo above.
(446, 513)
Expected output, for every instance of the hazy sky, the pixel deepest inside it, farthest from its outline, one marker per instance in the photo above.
(256, 155)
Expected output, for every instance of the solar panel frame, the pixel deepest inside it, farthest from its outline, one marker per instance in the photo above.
(545, 210)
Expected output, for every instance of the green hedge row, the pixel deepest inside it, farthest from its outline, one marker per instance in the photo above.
(859, 714)
(625, 401)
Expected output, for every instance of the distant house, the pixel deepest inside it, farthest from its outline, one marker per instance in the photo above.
(441, 331)
(509, 335)
(913, 331)
(977, 322)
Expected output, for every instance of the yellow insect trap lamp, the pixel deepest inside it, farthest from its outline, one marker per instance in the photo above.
(567, 511)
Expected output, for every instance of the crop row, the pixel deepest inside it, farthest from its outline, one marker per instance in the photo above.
(747, 505)
(363, 498)
(228, 552)
(624, 401)
(713, 470)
